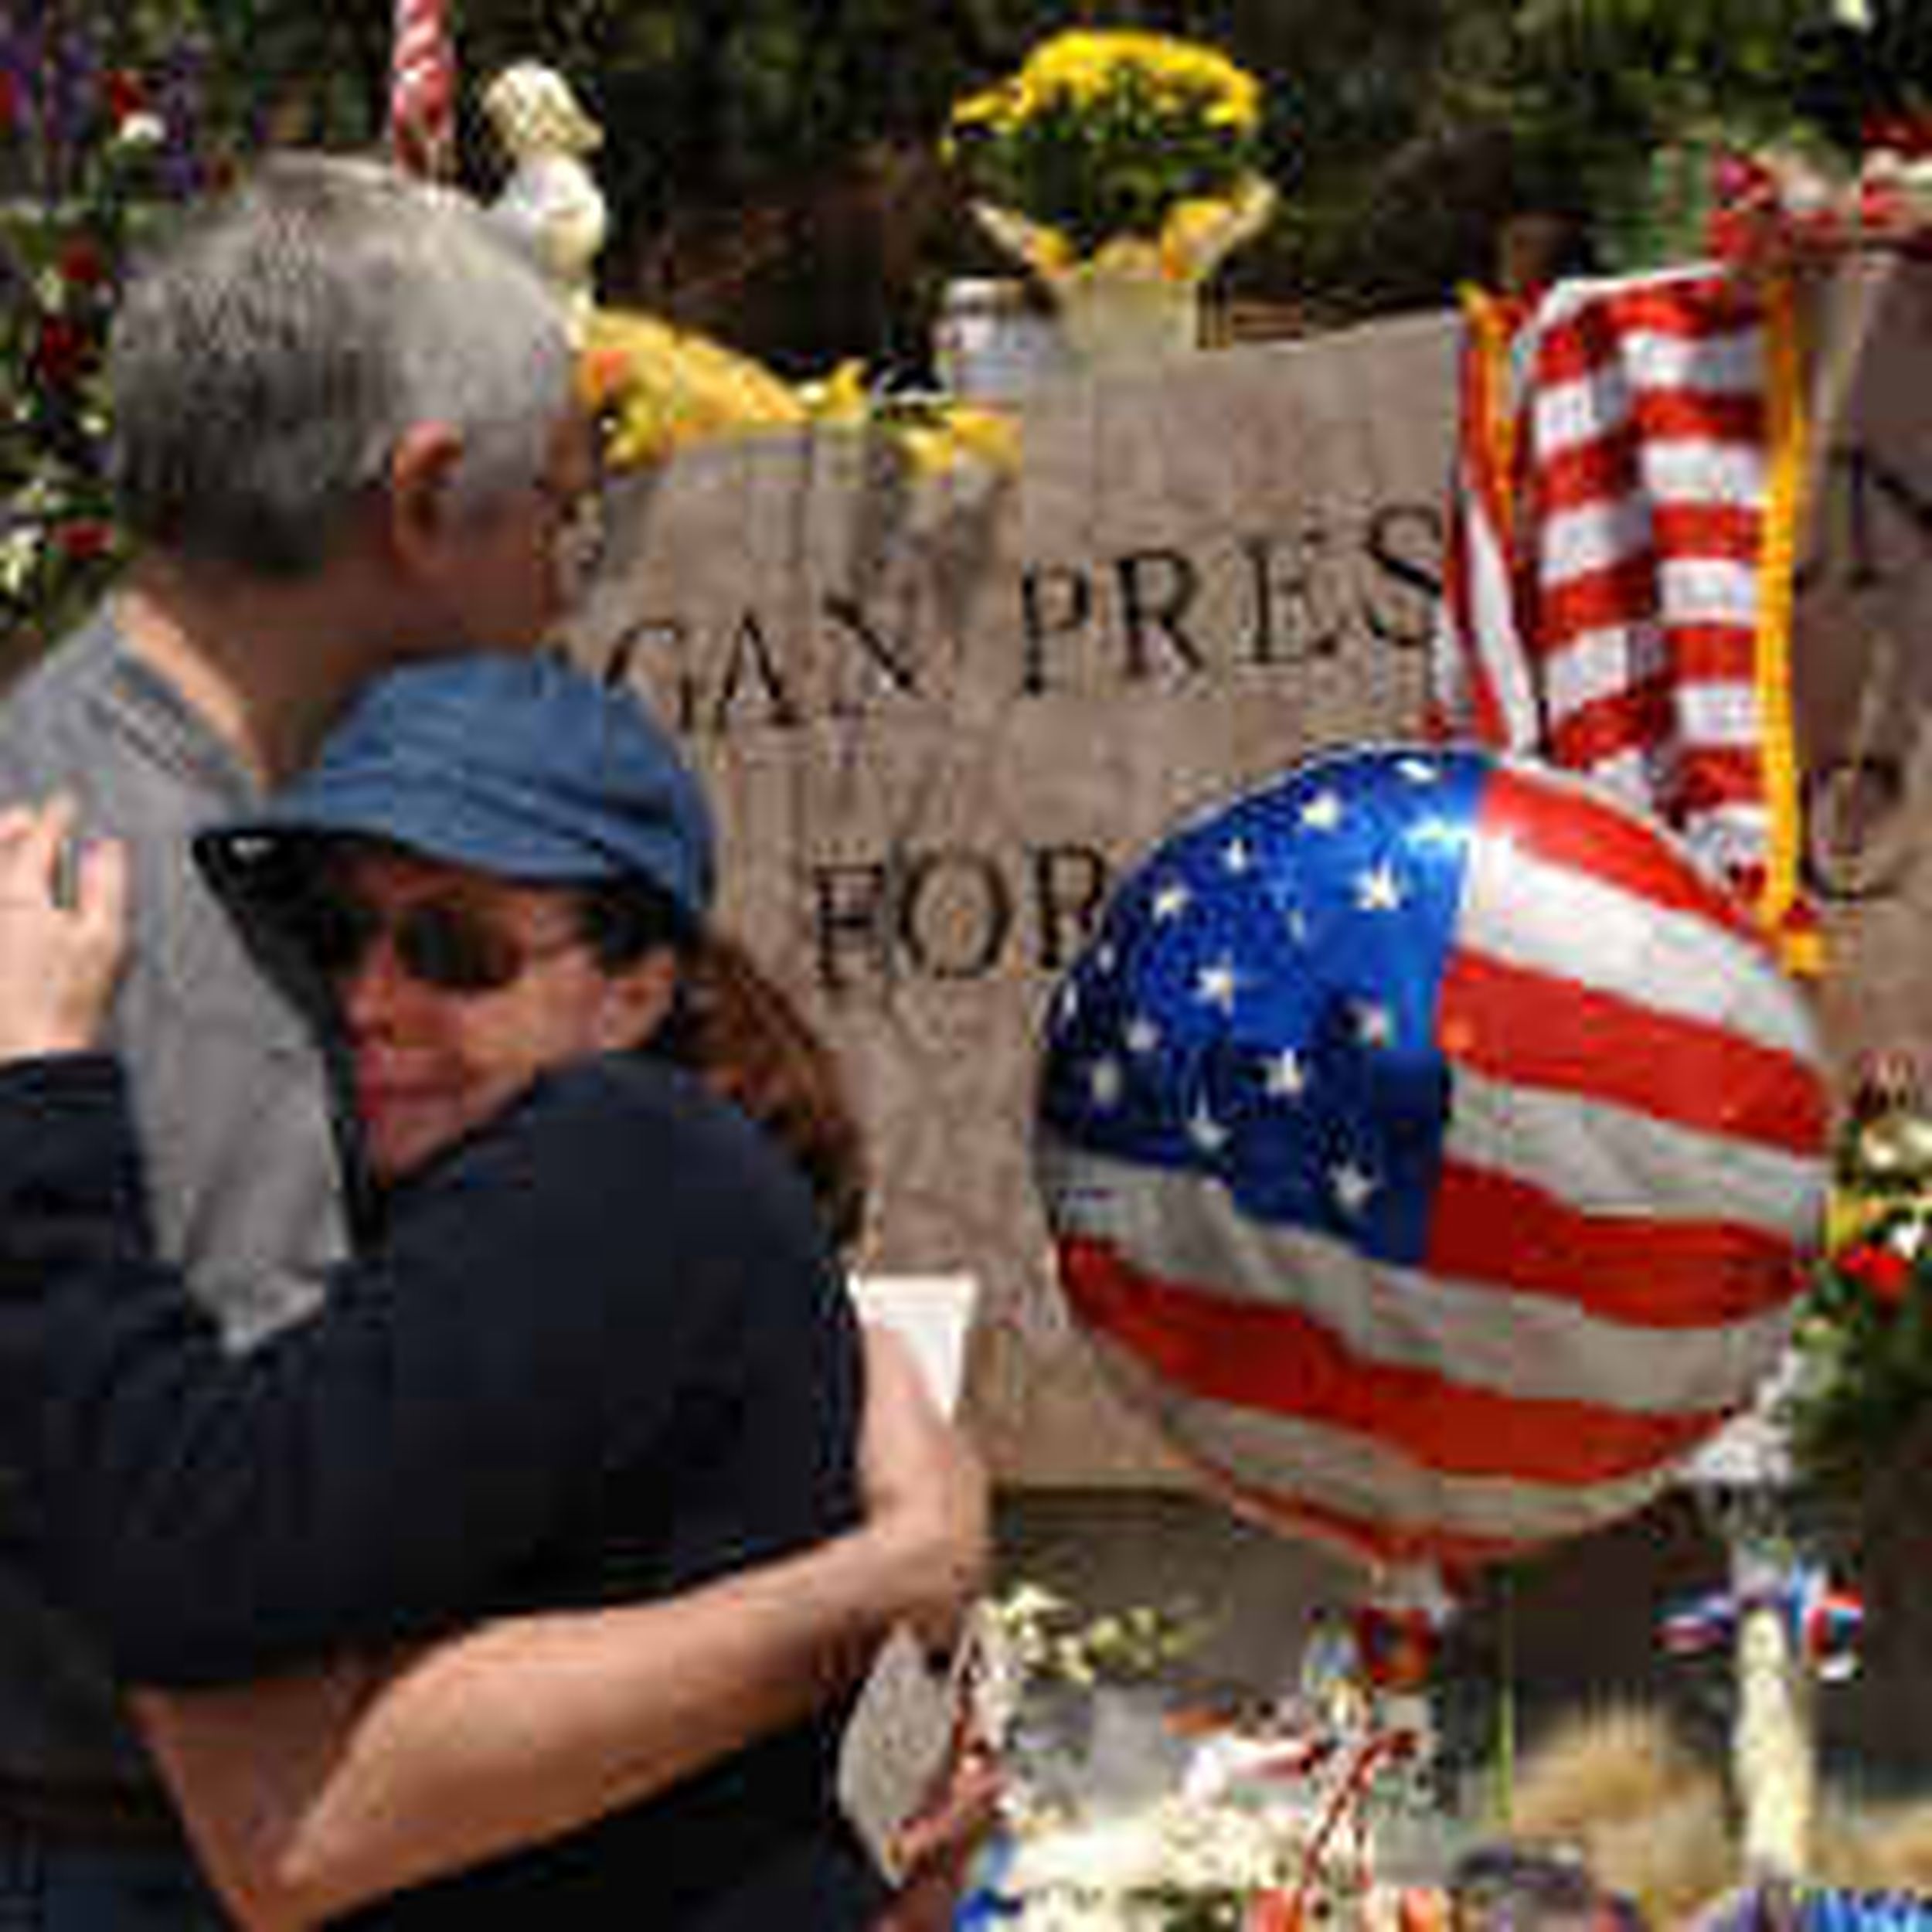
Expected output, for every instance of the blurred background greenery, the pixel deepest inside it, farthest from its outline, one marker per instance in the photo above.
(772, 169)
(774, 175)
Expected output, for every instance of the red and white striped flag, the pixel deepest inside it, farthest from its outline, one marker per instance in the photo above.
(1618, 579)
(422, 96)
(1480, 689)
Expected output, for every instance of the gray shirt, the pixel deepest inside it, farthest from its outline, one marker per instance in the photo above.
(230, 1093)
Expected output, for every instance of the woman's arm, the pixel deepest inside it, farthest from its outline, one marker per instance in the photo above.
(329, 1474)
(152, 1458)
(309, 1794)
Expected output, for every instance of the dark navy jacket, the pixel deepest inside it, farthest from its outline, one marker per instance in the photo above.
(598, 1350)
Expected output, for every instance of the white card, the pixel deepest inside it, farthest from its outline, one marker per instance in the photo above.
(933, 1314)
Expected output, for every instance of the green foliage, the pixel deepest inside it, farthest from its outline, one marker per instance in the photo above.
(772, 169)
(714, 106)
(58, 263)
(104, 124)
(1115, 166)
(87, 154)
(1864, 1337)
(1614, 108)
(1867, 1366)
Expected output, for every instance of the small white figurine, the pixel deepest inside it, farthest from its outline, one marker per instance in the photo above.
(551, 202)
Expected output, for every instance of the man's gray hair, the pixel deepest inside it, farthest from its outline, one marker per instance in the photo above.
(269, 354)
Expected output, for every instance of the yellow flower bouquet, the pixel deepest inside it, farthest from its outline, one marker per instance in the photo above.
(1104, 134)
(659, 389)
(1116, 155)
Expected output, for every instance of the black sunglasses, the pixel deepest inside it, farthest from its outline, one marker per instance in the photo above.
(447, 947)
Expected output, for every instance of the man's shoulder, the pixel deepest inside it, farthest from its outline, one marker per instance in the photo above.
(65, 725)
(90, 719)
(55, 700)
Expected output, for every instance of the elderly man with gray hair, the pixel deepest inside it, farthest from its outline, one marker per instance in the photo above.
(347, 435)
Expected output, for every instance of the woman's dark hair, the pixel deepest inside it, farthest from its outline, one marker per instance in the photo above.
(746, 1039)
(623, 919)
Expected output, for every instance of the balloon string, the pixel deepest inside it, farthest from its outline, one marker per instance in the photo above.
(1349, 1796)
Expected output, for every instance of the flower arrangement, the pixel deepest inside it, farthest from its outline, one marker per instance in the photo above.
(1783, 201)
(1166, 1816)
(1102, 133)
(91, 152)
(1048, 1639)
(659, 389)
(1178, 1865)
(1787, 126)
(1117, 157)
(1864, 1339)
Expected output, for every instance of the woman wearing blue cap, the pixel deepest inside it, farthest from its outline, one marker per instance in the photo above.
(595, 1346)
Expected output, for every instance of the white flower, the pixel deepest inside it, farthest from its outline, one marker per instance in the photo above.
(1806, 191)
(19, 552)
(1855, 14)
(1172, 1842)
(1028, 1602)
(141, 130)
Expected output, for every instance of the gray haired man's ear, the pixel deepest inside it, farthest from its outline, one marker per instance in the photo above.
(421, 484)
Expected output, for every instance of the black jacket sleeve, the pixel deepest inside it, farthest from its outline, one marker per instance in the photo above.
(372, 1474)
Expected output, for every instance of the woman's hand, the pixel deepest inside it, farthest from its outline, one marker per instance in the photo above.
(59, 956)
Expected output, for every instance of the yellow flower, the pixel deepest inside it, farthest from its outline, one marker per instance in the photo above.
(1104, 130)
(1199, 233)
(1847, 1216)
(986, 435)
(1052, 254)
(1126, 257)
(1083, 66)
(990, 105)
(840, 400)
(1046, 251)
(667, 388)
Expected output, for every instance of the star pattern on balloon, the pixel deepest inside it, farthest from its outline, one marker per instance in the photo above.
(1229, 1043)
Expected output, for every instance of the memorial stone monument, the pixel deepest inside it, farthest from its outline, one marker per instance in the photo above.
(939, 715)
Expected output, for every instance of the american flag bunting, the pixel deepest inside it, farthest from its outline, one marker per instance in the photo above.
(1617, 593)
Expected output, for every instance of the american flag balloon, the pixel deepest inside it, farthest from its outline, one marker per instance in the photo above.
(1430, 1148)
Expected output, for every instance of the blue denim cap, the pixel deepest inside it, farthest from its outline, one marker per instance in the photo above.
(519, 766)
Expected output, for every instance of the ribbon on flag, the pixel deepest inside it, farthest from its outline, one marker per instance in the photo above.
(422, 96)
(1824, 1621)
(1617, 583)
